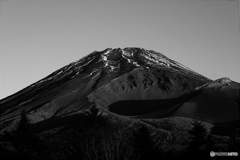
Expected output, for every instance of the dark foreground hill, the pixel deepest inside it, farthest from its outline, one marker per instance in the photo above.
(129, 103)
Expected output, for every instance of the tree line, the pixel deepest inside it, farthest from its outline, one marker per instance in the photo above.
(96, 138)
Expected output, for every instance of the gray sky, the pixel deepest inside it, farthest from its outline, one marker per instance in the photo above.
(38, 37)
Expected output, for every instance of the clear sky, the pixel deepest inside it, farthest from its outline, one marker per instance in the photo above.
(38, 37)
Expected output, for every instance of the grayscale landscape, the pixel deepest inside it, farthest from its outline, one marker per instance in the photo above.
(121, 103)
(119, 80)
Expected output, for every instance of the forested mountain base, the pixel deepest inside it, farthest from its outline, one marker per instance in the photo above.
(93, 136)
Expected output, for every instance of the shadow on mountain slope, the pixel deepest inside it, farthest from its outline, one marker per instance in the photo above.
(140, 107)
(214, 102)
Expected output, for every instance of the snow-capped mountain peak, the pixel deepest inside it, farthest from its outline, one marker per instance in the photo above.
(67, 88)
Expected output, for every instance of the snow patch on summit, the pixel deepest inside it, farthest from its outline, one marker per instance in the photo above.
(126, 53)
(155, 59)
(108, 50)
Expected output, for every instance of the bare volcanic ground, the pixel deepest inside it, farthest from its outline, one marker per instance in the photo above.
(132, 99)
(213, 102)
(133, 82)
(218, 102)
(144, 84)
(125, 72)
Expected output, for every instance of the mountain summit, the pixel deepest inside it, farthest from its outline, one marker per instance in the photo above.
(129, 103)
(113, 77)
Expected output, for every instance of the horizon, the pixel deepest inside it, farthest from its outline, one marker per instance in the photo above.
(40, 37)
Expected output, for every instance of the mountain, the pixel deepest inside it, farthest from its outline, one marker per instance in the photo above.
(66, 89)
(132, 84)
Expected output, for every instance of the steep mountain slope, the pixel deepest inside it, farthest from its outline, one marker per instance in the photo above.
(217, 102)
(214, 102)
(142, 84)
(102, 77)
(129, 98)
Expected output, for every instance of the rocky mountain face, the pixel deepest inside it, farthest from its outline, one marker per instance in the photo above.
(216, 102)
(144, 84)
(115, 75)
(129, 103)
